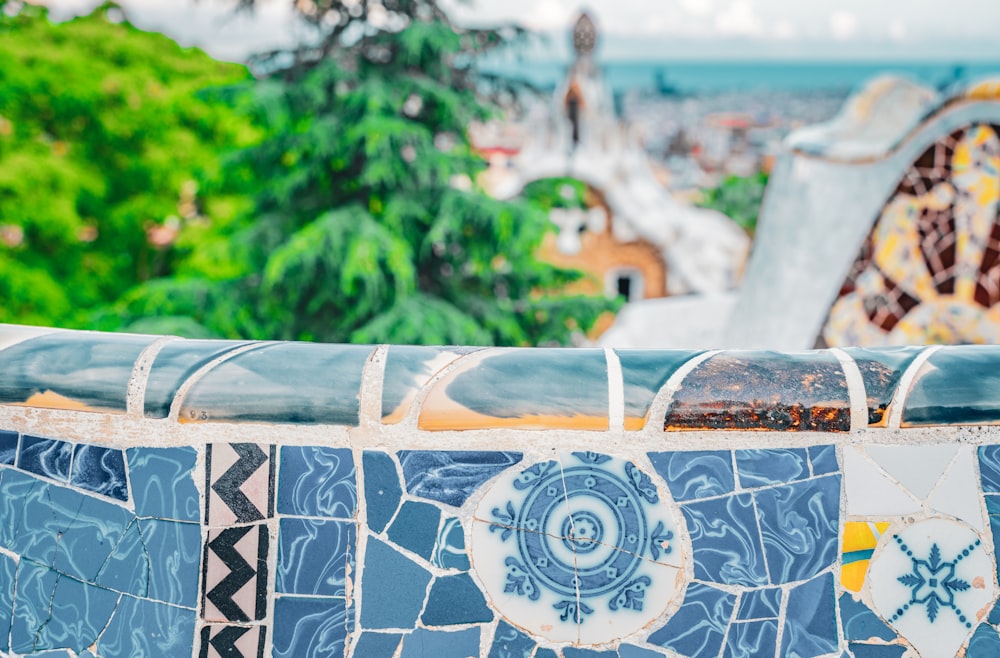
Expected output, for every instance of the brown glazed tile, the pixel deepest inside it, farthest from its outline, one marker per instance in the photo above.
(795, 392)
(881, 370)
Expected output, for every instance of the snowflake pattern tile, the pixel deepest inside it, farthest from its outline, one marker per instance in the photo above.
(582, 551)
(931, 581)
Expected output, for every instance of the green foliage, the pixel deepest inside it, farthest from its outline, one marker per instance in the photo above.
(103, 136)
(367, 224)
(739, 198)
(549, 193)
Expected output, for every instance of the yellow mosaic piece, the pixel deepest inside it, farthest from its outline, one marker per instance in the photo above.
(987, 90)
(860, 539)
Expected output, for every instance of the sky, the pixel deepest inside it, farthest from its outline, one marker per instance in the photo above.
(640, 29)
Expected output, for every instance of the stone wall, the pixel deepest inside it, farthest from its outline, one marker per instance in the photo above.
(166, 497)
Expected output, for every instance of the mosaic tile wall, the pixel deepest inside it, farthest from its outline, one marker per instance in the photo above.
(165, 497)
(929, 271)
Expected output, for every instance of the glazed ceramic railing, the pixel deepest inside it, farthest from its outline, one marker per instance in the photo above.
(166, 497)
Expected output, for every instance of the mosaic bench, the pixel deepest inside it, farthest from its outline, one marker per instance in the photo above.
(167, 497)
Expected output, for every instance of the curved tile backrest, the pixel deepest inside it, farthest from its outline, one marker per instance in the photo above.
(352, 501)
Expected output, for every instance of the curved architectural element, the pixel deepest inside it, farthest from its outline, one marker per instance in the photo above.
(356, 501)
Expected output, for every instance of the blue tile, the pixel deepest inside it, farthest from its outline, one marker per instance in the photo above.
(394, 588)
(799, 524)
(571, 652)
(726, 543)
(89, 540)
(752, 638)
(46, 457)
(546, 653)
(759, 468)
(510, 642)
(382, 489)
(629, 651)
(989, 468)
(860, 650)
(162, 484)
(416, 528)
(455, 600)
(810, 620)
(8, 447)
(53, 611)
(450, 476)
(985, 643)
(759, 604)
(699, 626)
(377, 645)
(449, 552)
(15, 490)
(959, 385)
(58, 653)
(994, 617)
(860, 622)
(127, 569)
(422, 643)
(7, 571)
(174, 550)
(644, 372)
(147, 628)
(101, 470)
(317, 481)
(992, 505)
(313, 556)
(309, 627)
(694, 475)
(824, 459)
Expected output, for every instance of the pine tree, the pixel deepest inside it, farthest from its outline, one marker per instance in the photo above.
(368, 225)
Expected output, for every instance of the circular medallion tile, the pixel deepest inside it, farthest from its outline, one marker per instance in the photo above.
(932, 581)
(581, 551)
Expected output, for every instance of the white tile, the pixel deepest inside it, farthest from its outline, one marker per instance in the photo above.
(917, 468)
(870, 492)
(958, 491)
(932, 581)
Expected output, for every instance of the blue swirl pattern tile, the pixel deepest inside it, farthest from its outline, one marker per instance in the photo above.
(510, 642)
(8, 570)
(449, 551)
(861, 650)
(985, 642)
(758, 468)
(46, 457)
(524, 388)
(644, 373)
(799, 525)
(861, 623)
(382, 489)
(811, 619)
(696, 474)
(823, 459)
(162, 484)
(698, 628)
(630, 651)
(282, 383)
(101, 470)
(52, 611)
(174, 364)
(759, 604)
(573, 652)
(8, 447)
(750, 639)
(317, 481)
(958, 385)
(166, 631)
(450, 476)
(313, 556)
(309, 627)
(81, 371)
(173, 549)
(727, 545)
(881, 371)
